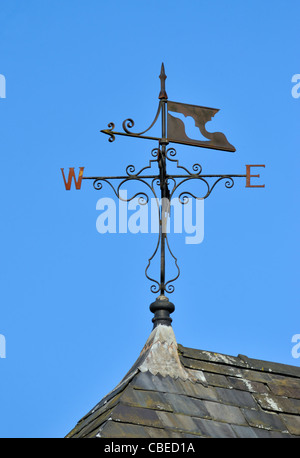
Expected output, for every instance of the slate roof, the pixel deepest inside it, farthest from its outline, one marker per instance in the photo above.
(178, 392)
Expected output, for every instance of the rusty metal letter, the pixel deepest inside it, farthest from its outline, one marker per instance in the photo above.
(71, 176)
(248, 176)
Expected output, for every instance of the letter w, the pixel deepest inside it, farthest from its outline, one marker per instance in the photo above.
(71, 176)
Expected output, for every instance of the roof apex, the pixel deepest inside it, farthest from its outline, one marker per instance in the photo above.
(160, 354)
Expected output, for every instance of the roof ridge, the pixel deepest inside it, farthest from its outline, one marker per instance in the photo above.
(240, 360)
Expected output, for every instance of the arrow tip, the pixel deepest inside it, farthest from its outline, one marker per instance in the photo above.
(162, 77)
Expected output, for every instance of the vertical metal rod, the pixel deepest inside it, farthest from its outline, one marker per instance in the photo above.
(163, 184)
(163, 209)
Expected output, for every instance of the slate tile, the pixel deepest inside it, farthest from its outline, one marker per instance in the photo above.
(198, 376)
(197, 390)
(236, 397)
(264, 433)
(147, 381)
(292, 423)
(290, 405)
(218, 380)
(143, 381)
(276, 368)
(192, 436)
(114, 429)
(167, 384)
(285, 381)
(93, 425)
(205, 366)
(268, 402)
(226, 413)
(211, 428)
(194, 363)
(248, 385)
(261, 419)
(244, 432)
(157, 433)
(189, 352)
(278, 404)
(136, 415)
(256, 376)
(182, 404)
(285, 389)
(210, 356)
(147, 399)
(179, 422)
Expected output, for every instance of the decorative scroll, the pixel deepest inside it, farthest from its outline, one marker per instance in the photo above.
(128, 124)
(195, 175)
(173, 182)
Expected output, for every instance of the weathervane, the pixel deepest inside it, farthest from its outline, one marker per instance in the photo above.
(172, 131)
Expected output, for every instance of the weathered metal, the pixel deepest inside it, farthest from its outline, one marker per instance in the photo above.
(173, 129)
(162, 77)
(201, 116)
(163, 185)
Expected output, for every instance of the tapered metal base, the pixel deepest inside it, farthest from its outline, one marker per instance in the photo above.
(162, 308)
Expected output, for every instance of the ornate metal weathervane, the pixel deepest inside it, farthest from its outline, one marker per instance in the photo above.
(172, 131)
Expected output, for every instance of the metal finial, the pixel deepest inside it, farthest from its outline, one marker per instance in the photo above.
(162, 308)
(162, 77)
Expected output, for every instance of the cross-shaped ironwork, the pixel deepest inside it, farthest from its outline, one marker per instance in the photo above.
(164, 183)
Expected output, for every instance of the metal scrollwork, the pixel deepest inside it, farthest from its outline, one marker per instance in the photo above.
(128, 124)
(162, 184)
(143, 198)
(195, 175)
(109, 131)
(166, 181)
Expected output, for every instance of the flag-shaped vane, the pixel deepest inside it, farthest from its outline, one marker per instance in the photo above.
(201, 115)
(176, 129)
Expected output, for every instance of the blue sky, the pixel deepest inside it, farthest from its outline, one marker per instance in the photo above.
(75, 303)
